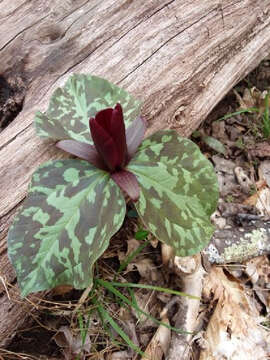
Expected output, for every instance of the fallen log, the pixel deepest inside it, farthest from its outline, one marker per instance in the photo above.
(181, 57)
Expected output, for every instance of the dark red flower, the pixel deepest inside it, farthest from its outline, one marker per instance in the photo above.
(114, 146)
(109, 136)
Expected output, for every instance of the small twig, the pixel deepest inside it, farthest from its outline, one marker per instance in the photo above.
(4, 284)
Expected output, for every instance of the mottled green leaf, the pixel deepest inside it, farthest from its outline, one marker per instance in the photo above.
(179, 191)
(81, 98)
(72, 211)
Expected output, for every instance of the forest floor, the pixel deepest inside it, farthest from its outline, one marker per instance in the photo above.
(73, 324)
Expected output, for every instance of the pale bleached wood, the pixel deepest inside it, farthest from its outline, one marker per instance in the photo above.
(181, 57)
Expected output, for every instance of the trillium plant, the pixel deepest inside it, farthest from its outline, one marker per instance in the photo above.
(75, 206)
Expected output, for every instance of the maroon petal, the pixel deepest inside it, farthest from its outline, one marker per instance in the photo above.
(135, 133)
(118, 134)
(103, 117)
(83, 151)
(127, 182)
(104, 144)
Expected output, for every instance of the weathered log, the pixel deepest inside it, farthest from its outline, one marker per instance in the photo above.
(180, 56)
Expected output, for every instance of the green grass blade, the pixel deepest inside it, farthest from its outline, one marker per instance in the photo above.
(83, 331)
(106, 317)
(111, 288)
(155, 288)
(248, 110)
(83, 327)
(131, 256)
(134, 301)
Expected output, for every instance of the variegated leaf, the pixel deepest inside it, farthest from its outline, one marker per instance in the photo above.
(179, 191)
(72, 211)
(81, 98)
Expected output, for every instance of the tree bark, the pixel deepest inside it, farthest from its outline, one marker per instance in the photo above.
(180, 56)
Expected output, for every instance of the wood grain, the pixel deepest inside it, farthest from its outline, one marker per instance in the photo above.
(180, 56)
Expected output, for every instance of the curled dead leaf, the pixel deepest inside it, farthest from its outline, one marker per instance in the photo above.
(264, 171)
(72, 345)
(258, 270)
(233, 332)
(261, 200)
(146, 268)
(62, 289)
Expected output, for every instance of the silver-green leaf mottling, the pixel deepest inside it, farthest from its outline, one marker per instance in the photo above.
(179, 191)
(81, 98)
(72, 211)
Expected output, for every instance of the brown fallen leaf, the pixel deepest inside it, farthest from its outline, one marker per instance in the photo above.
(119, 355)
(264, 171)
(234, 331)
(263, 203)
(62, 289)
(258, 271)
(132, 245)
(147, 302)
(261, 200)
(129, 327)
(261, 149)
(251, 98)
(72, 345)
(147, 269)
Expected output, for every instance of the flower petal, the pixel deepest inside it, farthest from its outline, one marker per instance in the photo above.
(118, 134)
(135, 134)
(103, 117)
(104, 144)
(128, 182)
(83, 151)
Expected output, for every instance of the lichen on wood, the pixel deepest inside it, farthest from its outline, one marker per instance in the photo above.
(238, 244)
